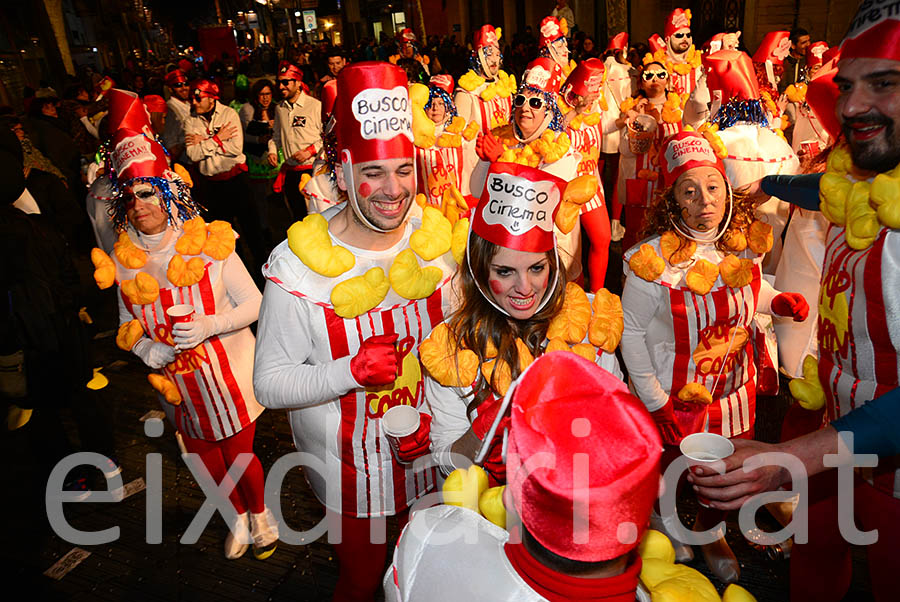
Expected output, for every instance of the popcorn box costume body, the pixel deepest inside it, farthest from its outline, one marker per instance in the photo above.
(326, 297)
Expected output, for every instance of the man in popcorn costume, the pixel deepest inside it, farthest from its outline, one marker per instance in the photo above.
(683, 61)
(351, 294)
(859, 303)
(690, 295)
(485, 91)
(577, 526)
(553, 43)
(167, 256)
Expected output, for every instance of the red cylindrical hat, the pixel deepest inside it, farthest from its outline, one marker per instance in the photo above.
(485, 36)
(373, 112)
(815, 53)
(551, 30)
(582, 460)
(126, 110)
(732, 73)
(618, 41)
(874, 33)
(155, 104)
(185, 65)
(408, 36)
(288, 70)
(684, 151)
(656, 43)
(678, 19)
(175, 76)
(517, 208)
(329, 95)
(585, 79)
(774, 47)
(822, 95)
(543, 73)
(135, 155)
(204, 88)
(444, 81)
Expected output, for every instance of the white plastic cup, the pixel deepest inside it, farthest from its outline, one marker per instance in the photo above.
(399, 423)
(702, 449)
(179, 314)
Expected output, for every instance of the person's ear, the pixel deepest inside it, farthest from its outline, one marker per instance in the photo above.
(339, 172)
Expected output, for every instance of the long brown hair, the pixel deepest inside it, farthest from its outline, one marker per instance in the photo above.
(478, 324)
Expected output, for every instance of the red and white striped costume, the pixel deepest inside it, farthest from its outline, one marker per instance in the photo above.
(437, 167)
(693, 83)
(586, 142)
(673, 337)
(859, 333)
(215, 378)
(303, 365)
(488, 113)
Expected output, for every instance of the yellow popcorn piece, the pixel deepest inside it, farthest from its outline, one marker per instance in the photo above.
(142, 290)
(572, 320)
(185, 273)
(166, 387)
(434, 237)
(129, 333)
(458, 239)
(309, 240)
(647, 264)
(445, 362)
(128, 254)
(465, 486)
(104, 268)
(607, 321)
(220, 242)
(695, 393)
(194, 237)
(808, 390)
(411, 281)
(355, 296)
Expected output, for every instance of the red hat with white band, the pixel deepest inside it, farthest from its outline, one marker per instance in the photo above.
(815, 54)
(731, 72)
(175, 76)
(582, 460)
(288, 70)
(374, 119)
(204, 88)
(618, 41)
(155, 104)
(135, 155)
(551, 30)
(127, 110)
(774, 47)
(874, 32)
(543, 74)
(486, 36)
(585, 79)
(443, 81)
(678, 19)
(684, 151)
(656, 43)
(517, 207)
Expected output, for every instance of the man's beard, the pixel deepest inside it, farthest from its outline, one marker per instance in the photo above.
(379, 221)
(674, 47)
(879, 154)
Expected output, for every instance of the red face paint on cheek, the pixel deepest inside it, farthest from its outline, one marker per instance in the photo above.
(496, 287)
(365, 190)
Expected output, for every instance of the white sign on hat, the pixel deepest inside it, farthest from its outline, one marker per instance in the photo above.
(383, 114)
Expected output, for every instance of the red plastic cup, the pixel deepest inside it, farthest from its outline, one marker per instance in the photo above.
(703, 449)
(399, 424)
(179, 314)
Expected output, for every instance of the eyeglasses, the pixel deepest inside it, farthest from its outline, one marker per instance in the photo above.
(285, 82)
(535, 102)
(660, 75)
(679, 36)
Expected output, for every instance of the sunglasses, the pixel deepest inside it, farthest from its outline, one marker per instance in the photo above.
(181, 85)
(660, 75)
(679, 36)
(535, 102)
(285, 82)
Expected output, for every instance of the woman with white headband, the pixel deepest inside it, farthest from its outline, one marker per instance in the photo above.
(515, 305)
(691, 291)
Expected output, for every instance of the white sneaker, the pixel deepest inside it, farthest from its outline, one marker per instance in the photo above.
(264, 531)
(237, 535)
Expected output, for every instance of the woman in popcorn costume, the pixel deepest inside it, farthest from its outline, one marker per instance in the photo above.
(639, 172)
(515, 305)
(484, 92)
(553, 43)
(536, 138)
(320, 190)
(167, 255)
(583, 104)
(444, 143)
(691, 292)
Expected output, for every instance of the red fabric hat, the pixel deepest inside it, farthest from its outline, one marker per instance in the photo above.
(543, 73)
(585, 79)
(684, 151)
(407, 36)
(486, 36)
(185, 65)
(443, 81)
(714, 44)
(656, 43)
(135, 155)
(517, 207)
(874, 33)
(774, 47)
(126, 110)
(815, 53)
(205, 89)
(732, 73)
(287, 70)
(551, 30)
(329, 95)
(618, 41)
(155, 104)
(175, 76)
(822, 94)
(373, 113)
(678, 19)
(831, 53)
(583, 459)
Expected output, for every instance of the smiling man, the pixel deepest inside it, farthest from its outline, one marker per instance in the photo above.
(346, 306)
